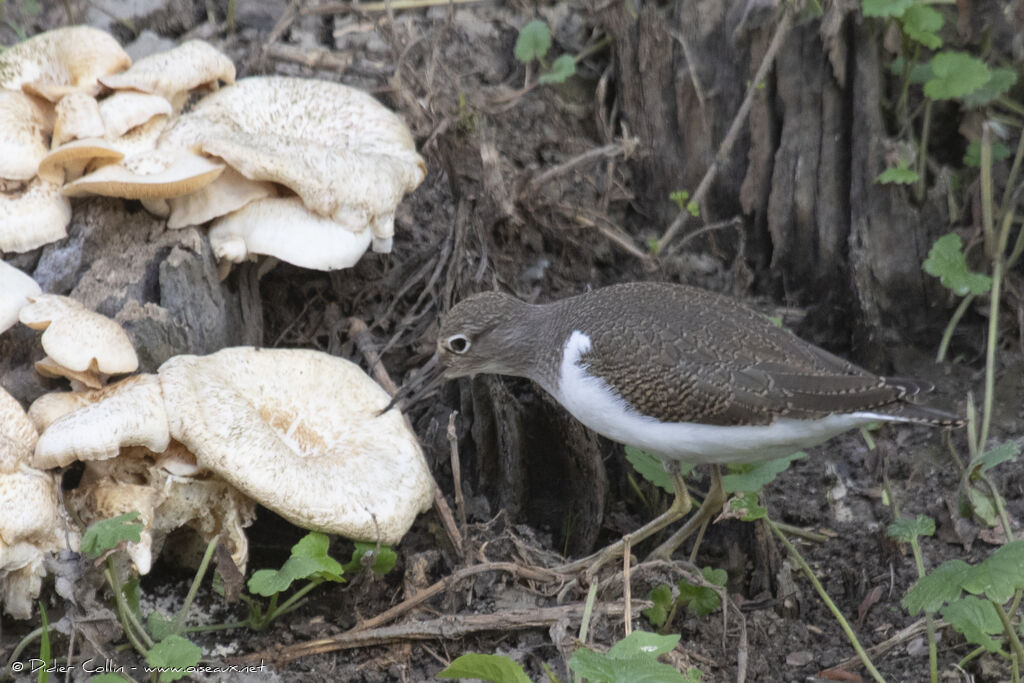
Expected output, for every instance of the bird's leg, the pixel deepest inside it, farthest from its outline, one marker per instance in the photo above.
(680, 506)
(711, 505)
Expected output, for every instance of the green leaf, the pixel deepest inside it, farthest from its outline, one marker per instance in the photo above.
(496, 668)
(651, 468)
(716, 576)
(561, 69)
(644, 644)
(907, 530)
(383, 561)
(44, 646)
(975, 619)
(1000, 83)
(983, 507)
(173, 656)
(693, 208)
(920, 23)
(947, 261)
(972, 157)
(159, 626)
(748, 477)
(661, 596)
(106, 534)
(996, 456)
(1000, 575)
(693, 675)
(955, 74)
(602, 668)
(313, 544)
(897, 175)
(534, 42)
(885, 8)
(700, 600)
(745, 507)
(941, 585)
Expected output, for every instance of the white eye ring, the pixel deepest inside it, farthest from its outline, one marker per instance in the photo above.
(458, 344)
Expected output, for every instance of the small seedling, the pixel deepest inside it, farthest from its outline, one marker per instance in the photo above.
(533, 44)
(634, 658)
(699, 598)
(900, 174)
(309, 561)
(681, 198)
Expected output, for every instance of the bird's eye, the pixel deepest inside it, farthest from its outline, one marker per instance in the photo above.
(458, 343)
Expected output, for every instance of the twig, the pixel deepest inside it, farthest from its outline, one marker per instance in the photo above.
(316, 58)
(627, 589)
(343, 7)
(734, 128)
(624, 148)
(615, 234)
(359, 333)
(448, 628)
(453, 442)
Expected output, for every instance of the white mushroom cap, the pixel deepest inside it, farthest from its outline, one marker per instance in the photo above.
(62, 61)
(79, 339)
(149, 175)
(342, 152)
(128, 413)
(15, 289)
(123, 111)
(229, 192)
(172, 74)
(70, 160)
(23, 128)
(78, 116)
(18, 436)
(299, 432)
(33, 216)
(285, 229)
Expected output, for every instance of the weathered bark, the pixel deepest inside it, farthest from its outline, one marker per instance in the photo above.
(532, 451)
(802, 173)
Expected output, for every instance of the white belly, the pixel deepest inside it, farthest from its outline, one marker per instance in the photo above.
(593, 402)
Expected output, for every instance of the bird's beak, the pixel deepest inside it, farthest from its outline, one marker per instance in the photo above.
(425, 383)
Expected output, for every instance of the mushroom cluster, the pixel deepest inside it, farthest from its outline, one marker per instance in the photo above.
(193, 445)
(303, 170)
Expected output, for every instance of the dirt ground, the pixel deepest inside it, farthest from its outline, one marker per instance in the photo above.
(529, 189)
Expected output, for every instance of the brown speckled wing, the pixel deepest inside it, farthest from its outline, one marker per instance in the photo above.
(686, 355)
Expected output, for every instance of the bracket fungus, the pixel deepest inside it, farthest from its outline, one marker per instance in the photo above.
(62, 61)
(172, 74)
(33, 216)
(16, 288)
(29, 517)
(156, 174)
(24, 125)
(79, 343)
(345, 155)
(299, 432)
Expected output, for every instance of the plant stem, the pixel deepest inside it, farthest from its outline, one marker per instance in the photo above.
(1011, 633)
(179, 618)
(843, 624)
(22, 644)
(290, 604)
(922, 152)
(933, 651)
(133, 630)
(947, 335)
